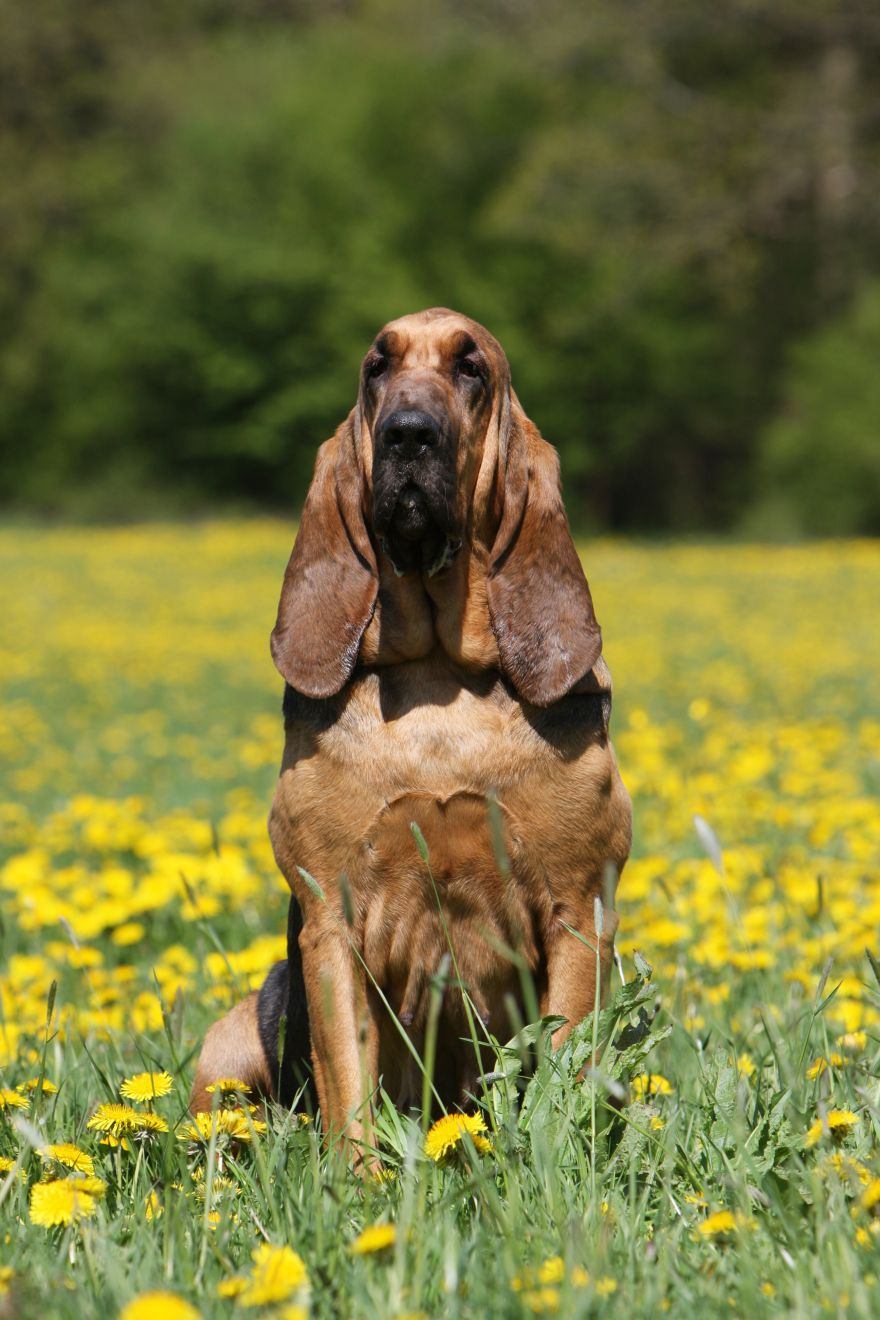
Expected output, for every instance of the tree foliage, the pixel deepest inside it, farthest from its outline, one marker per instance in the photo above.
(648, 205)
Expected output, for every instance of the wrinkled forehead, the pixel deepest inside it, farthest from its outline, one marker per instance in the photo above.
(435, 338)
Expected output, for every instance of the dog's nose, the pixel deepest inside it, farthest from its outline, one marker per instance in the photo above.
(409, 431)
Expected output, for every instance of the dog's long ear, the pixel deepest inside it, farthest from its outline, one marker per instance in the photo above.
(329, 590)
(539, 601)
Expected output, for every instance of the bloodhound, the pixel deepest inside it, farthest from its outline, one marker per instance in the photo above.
(444, 670)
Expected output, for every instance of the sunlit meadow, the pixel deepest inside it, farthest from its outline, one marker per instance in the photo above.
(723, 1155)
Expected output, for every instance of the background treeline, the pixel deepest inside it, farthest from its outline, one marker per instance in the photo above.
(668, 212)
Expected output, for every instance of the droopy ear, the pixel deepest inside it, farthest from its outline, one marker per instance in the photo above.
(329, 590)
(539, 601)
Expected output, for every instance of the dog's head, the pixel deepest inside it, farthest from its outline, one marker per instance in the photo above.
(436, 462)
(428, 388)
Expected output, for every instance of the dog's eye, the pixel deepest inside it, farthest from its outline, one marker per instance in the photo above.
(468, 367)
(377, 367)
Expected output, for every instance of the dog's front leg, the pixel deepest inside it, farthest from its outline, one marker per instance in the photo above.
(345, 1044)
(577, 981)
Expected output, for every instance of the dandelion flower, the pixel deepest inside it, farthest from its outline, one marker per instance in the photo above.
(449, 1132)
(110, 1140)
(229, 1086)
(146, 1086)
(818, 1066)
(231, 1123)
(871, 1196)
(60, 1202)
(88, 1183)
(145, 1125)
(605, 1287)
(10, 1099)
(837, 1123)
(233, 1286)
(35, 1084)
(542, 1301)
(277, 1274)
(159, 1306)
(375, 1238)
(6, 1275)
(648, 1084)
(69, 1155)
(113, 1118)
(721, 1223)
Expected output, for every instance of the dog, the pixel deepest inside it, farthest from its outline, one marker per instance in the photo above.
(448, 794)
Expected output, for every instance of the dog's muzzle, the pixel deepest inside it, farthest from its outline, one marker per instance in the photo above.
(413, 491)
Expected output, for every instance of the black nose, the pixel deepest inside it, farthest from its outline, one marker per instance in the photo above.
(409, 431)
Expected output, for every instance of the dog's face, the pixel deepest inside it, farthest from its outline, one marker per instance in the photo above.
(436, 476)
(428, 385)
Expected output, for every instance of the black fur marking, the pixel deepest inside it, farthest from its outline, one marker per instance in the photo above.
(319, 713)
(284, 992)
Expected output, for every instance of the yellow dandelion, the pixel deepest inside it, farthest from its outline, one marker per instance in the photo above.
(229, 1086)
(845, 1167)
(226, 1123)
(112, 1141)
(767, 1289)
(69, 1155)
(650, 1084)
(605, 1287)
(721, 1223)
(159, 1306)
(552, 1271)
(47, 1087)
(146, 1125)
(6, 1164)
(871, 1196)
(745, 1065)
(153, 1207)
(88, 1183)
(836, 1124)
(382, 1174)
(542, 1301)
(146, 1086)
(818, 1066)
(301, 1313)
(277, 1274)
(232, 1287)
(128, 933)
(7, 1273)
(375, 1238)
(10, 1099)
(449, 1132)
(114, 1119)
(60, 1202)
(579, 1277)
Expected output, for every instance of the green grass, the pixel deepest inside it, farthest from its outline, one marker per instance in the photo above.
(139, 750)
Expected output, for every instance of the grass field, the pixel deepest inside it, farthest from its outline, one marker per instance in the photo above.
(737, 1170)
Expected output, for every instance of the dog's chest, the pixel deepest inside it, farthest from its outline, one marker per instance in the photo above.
(424, 729)
(452, 740)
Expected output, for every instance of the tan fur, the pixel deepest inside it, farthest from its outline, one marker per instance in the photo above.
(456, 687)
(232, 1049)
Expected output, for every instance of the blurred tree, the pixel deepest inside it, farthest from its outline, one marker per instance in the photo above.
(647, 204)
(821, 457)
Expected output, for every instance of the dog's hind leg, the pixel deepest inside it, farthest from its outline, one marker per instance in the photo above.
(233, 1048)
(245, 1043)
